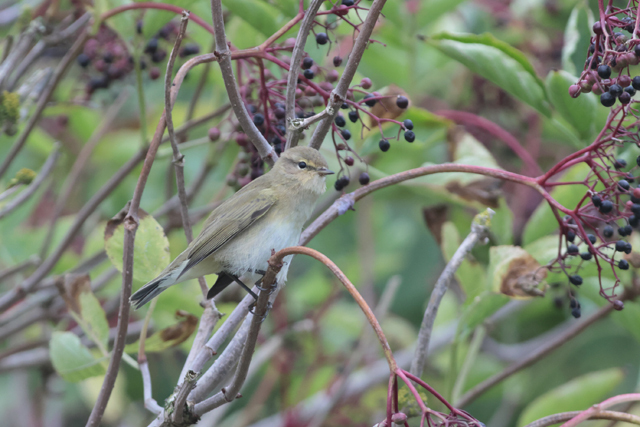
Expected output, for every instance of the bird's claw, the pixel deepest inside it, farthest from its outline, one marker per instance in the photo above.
(252, 309)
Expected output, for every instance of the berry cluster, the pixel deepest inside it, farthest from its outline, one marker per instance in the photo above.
(611, 51)
(106, 58)
(263, 91)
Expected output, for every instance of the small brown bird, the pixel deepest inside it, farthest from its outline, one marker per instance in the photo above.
(239, 235)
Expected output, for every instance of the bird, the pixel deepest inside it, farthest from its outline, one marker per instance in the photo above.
(238, 237)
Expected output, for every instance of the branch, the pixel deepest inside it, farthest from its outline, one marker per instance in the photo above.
(598, 408)
(601, 415)
(267, 153)
(535, 356)
(131, 223)
(479, 232)
(33, 187)
(292, 81)
(42, 102)
(346, 202)
(178, 158)
(181, 397)
(230, 393)
(339, 94)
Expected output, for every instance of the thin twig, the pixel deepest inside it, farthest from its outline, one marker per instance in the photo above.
(149, 402)
(339, 94)
(597, 408)
(296, 57)
(602, 415)
(178, 158)
(42, 102)
(479, 232)
(266, 151)
(535, 356)
(19, 51)
(8, 272)
(35, 184)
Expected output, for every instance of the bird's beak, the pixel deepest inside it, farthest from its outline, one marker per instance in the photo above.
(325, 172)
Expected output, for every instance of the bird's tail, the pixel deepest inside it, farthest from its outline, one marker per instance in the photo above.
(153, 289)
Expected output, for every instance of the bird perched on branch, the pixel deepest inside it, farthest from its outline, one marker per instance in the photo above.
(239, 235)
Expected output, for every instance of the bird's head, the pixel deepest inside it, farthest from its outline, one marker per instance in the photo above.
(304, 165)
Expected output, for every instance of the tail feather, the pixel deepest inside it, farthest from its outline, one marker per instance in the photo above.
(148, 292)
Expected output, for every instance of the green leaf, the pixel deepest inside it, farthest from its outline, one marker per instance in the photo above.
(97, 327)
(72, 360)
(259, 14)
(499, 63)
(151, 249)
(576, 38)
(575, 395)
(579, 112)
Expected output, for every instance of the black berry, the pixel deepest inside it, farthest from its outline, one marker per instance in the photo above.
(571, 236)
(346, 134)
(627, 229)
(190, 49)
(634, 221)
(308, 74)
(572, 250)
(576, 312)
(344, 106)
(369, 102)
(591, 238)
(607, 99)
(596, 200)
(152, 46)
(348, 2)
(307, 63)
(364, 178)
(322, 38)
(337, 61)
(623, 185)
(604, 71)
(384, 145)
(606, 206)
(621, 245)
(607, 231)
(628, 249)
(409, 136)
(586, 256)
(402, 102)
(620, 163)
(576, 280)
(258, 119)
(408, 124)
(341, 183)
(83, 60)
(353, 116)
(630, 90)
(624, 98)
(340, 121)
(623, 264)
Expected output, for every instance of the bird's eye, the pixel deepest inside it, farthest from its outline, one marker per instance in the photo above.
(302, 165)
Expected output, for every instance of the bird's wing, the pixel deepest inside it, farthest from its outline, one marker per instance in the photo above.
(227, 221)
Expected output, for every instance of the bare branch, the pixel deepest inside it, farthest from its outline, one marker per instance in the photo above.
(338, 95)
(181, 397)
(19, 51)
(479, 232)
(292, 81)
(32, 261)
(42, 102)
(149, 402)
(266, 151)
